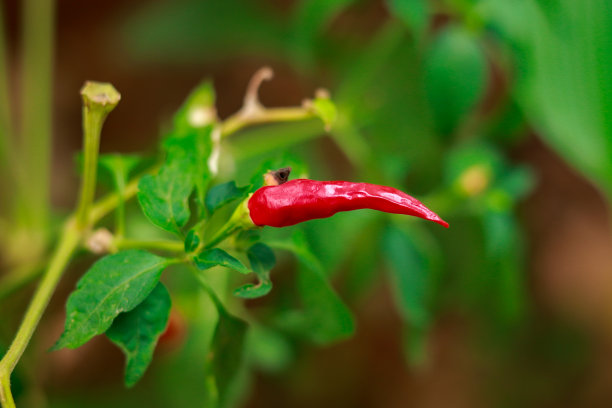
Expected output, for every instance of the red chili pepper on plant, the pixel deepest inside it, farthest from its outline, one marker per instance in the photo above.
(295, 201)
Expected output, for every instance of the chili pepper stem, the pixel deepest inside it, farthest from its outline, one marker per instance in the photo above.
(240, 220)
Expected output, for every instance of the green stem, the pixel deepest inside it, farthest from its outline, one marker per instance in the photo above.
(120, 213)
(240, 220)
(161, 245)
(111, 201)
(36, 106)
(6, 397)
(67, 245)
(239, 120)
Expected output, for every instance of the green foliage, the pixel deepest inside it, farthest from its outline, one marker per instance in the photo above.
(116, 169)
(324, 318)
(222, 194)
(410, 277)
(325, 109)
(455, 77)
(170, 33)
(414, 13)
(218, 257)
(116, 283)
(262, 260)
(228, 345)
(164, 196)
(136, 332)
(197, 111)
(192, 241)
(413, 271)
(268, 349)
(397, 88)
(564, 84)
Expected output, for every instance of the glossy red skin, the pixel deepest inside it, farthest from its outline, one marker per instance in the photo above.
(301, 200)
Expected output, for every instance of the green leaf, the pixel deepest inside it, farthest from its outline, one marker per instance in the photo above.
(136, 332)
(563, 81)
(324, 318)
(116, 168)
(116, 283)
(192, 240)
(326, 110)
(412, 275)
(198, 110)
(262, 260)
(413, 13)
(228, 349)
(164, 197)
(505, 294)
(193, 146)
(455, 77)
(409, 275)
(222, 194)
(218, 257)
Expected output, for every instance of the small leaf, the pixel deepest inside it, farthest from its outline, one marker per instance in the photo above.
(413, 13)
(118, 167)
(164, 197)
(136, 332)
(455, 77)
(218, 257)
(504, 296)
(228, 347)
(192, 240)
(262, 260)
(409, 277)
(326, 110)
(222, 194)
(198, 110)
(116, 283)
(412, 271)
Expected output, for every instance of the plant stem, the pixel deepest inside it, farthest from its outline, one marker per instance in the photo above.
(36, 106)
(68, 243)
(6, 397)
(161, 245)
(120, 213)
(239, 120)
(111, 201)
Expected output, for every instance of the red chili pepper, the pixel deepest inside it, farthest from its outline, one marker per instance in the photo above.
(301, 200)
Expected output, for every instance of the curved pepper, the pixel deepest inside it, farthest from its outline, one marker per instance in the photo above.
(301, 200)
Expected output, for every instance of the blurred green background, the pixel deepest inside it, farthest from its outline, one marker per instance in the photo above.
(497, 114)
